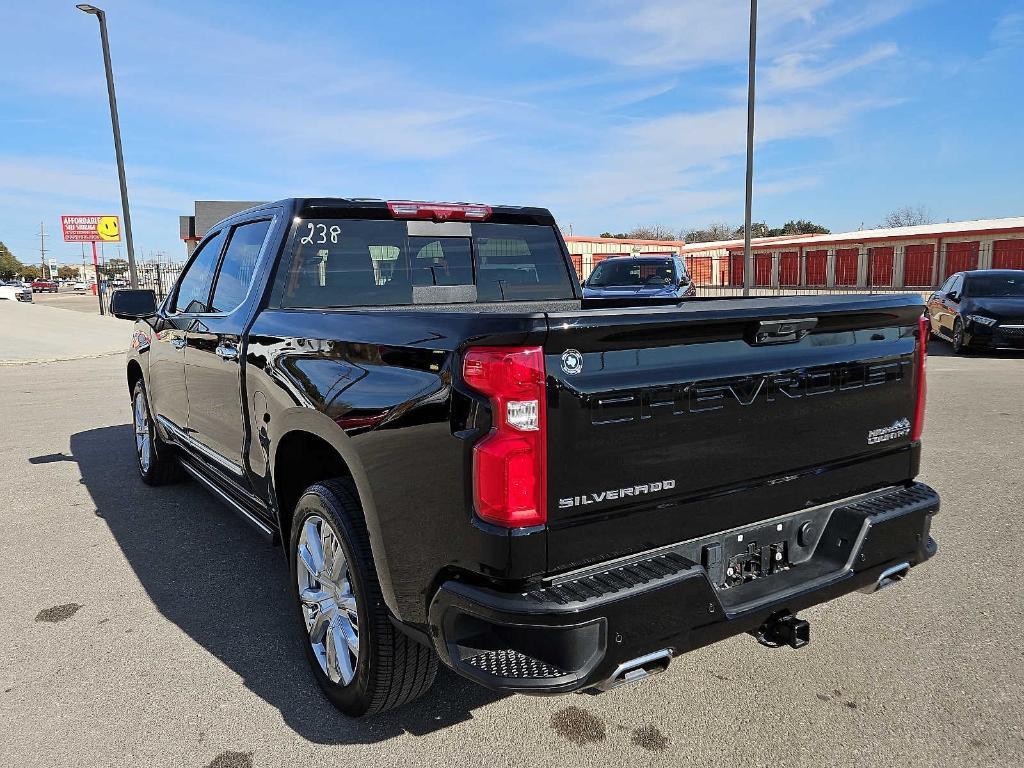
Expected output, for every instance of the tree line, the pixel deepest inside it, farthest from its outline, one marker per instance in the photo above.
(907, 216)
(11, 267)
(719, 231)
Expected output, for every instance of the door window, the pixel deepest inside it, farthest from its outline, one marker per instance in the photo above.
(957, 285)
(239, 265)
(194, 285)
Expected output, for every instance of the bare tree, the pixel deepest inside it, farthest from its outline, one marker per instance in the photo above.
(907, 216)
(717, 230)
(651, 232)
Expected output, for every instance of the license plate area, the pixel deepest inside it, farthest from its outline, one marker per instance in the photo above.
(754, 553)
(755, 562)
(759, 552)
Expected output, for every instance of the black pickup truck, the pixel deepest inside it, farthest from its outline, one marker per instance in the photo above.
(465, 460)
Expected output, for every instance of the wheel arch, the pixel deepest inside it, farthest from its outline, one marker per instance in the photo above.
(134, 375)
(309, 447)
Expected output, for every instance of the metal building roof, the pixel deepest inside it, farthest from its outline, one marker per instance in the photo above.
(945, 229)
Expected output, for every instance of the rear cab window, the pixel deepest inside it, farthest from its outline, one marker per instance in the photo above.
(338, 262)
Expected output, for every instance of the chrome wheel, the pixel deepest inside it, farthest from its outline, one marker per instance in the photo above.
(143, 443)
(328, 601)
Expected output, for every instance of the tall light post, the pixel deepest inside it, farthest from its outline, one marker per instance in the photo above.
(748, 258)
(116, 125)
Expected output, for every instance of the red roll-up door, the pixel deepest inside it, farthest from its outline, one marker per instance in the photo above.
(762, 269)
(846, 266)
(732, 269)
(961, 257)
(789, 268)
(817, 266)
(577, 263)
(918, 263)
(699, 268)
(1008, 254)
(880, 263)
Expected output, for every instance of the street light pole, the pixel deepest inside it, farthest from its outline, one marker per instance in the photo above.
(748, 258)
(116, 125)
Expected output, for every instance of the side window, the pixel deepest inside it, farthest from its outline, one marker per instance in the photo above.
(239, 265)
(194, 286)
(957, 286)
(946, 285)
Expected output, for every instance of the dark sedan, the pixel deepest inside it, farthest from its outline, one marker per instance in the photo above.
(980, 309)
(655, 277)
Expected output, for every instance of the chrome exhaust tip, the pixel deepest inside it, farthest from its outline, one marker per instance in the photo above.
(638, 669)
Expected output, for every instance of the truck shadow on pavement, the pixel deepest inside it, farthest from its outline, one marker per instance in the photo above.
(209, 572)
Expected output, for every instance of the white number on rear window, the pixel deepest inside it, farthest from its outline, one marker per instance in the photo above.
(319, 234)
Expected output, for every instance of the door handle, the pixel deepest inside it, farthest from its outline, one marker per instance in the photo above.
(226, 353)
(178, 343)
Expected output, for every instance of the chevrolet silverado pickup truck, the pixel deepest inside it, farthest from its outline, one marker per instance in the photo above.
(466, 462)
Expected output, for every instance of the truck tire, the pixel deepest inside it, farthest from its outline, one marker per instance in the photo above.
(155, 459)
(361, 662)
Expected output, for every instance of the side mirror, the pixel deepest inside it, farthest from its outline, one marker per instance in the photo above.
(953, 296)
(129, 304)
(583, 283)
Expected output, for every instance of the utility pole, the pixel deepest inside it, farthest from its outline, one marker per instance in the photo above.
(42, 252)
(115, 124)
(748, 258)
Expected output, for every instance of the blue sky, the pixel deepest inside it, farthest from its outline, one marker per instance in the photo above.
(611, 114)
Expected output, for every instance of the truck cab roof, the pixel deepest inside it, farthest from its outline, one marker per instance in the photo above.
(377, 208)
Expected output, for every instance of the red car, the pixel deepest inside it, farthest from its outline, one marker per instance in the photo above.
(40, 285)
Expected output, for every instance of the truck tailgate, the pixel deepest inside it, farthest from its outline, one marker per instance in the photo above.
(665, 424)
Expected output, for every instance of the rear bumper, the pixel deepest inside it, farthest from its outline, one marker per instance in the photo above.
(578, 631)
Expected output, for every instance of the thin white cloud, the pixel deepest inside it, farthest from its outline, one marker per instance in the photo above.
(798, 71)
(1008, 31)
(74, 182)
(671, 34)
(678, 35)
(668, 167)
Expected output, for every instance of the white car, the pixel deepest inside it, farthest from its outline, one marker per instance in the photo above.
(80, 285)
(15, 291)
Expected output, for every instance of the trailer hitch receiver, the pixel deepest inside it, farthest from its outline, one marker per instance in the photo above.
(784, 629)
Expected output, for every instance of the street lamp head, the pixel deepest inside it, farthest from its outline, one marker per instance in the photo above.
(89, 9)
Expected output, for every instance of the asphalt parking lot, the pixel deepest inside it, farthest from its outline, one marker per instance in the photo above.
(151, 626)
(66, 299)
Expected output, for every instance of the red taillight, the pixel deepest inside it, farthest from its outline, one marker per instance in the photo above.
(923, 329)
(410, 209)
(509, 464)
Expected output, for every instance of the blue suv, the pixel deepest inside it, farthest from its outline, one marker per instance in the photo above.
(653, 277)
